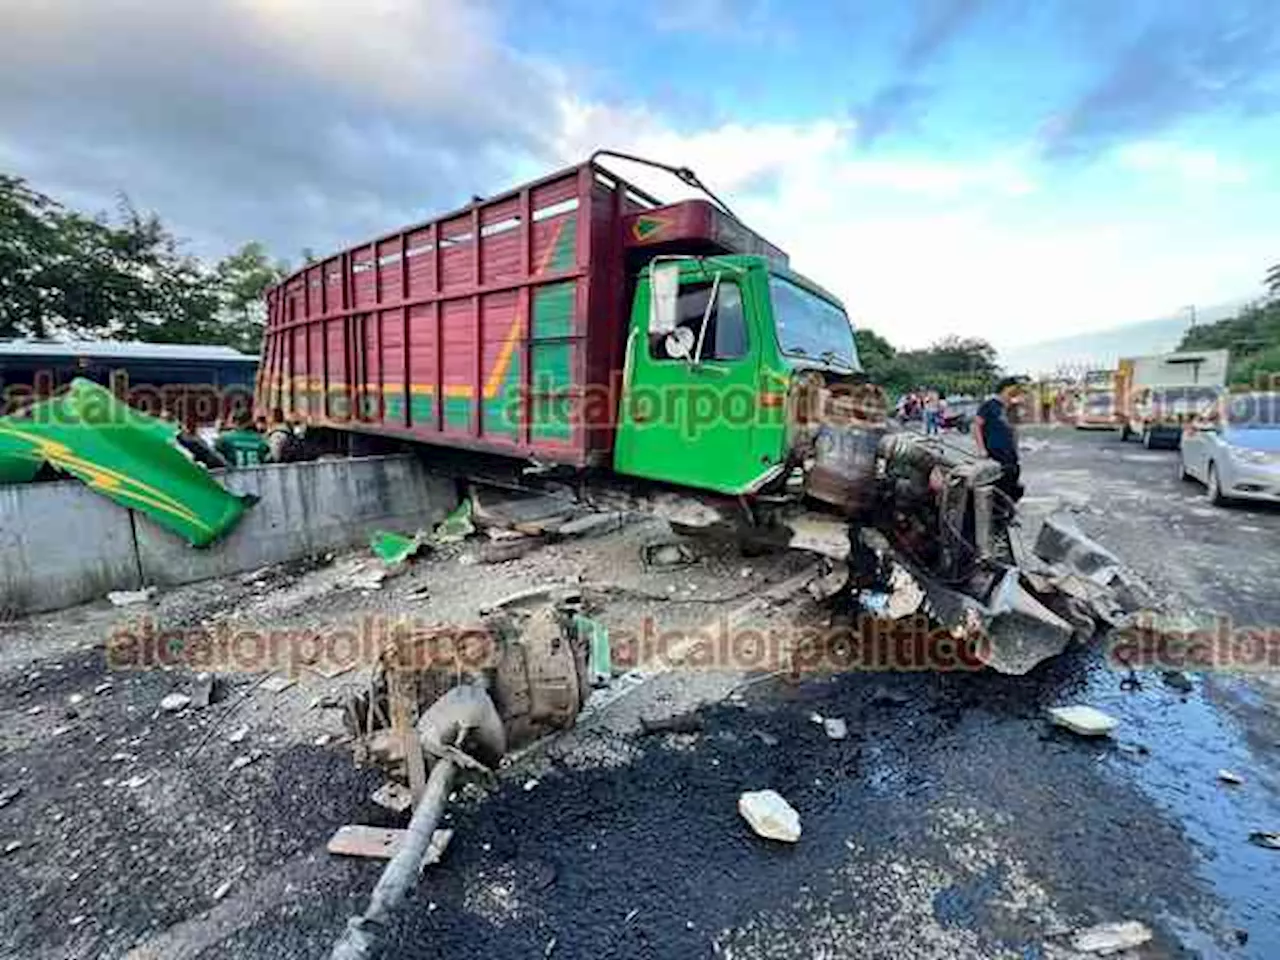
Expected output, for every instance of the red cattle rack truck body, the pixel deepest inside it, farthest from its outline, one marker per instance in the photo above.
(500, 327)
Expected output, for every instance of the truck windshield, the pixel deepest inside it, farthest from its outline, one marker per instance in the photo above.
(811, 327)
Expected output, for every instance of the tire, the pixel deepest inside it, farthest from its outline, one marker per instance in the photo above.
(1213, 487)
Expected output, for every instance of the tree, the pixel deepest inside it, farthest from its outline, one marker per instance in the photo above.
(65, 273)
(243, 279)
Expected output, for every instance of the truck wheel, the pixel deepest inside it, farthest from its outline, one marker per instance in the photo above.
(1213, 487)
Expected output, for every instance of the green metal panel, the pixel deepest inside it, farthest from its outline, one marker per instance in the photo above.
(124, 455)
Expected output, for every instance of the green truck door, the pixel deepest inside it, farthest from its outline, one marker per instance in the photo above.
(688, 410)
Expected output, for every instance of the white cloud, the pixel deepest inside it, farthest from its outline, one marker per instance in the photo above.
(1195, 165)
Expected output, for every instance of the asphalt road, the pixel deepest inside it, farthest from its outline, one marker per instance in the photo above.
(954, 822)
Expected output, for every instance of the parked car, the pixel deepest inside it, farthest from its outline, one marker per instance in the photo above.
(1236, 455)
(958, 413)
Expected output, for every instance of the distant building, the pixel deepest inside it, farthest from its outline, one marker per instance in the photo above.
(199, 382)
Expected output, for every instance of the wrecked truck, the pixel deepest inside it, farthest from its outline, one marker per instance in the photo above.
(577, 334)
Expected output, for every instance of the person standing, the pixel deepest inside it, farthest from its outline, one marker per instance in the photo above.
(995, 437)
(243, 446)
(932, 411)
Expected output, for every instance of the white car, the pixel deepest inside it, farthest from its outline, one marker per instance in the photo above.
(1237, 456)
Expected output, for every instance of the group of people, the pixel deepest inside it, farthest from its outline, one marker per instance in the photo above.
(242, 441)
(928, 405)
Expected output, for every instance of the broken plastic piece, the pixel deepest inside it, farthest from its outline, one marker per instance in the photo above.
(457, 526)
(394, 549)
(123, 454)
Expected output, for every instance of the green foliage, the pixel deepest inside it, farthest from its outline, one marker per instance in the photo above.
(1252, 336)
(62, 272)
(951, 365)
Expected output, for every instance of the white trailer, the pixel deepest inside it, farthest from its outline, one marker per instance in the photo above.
(1157, 394)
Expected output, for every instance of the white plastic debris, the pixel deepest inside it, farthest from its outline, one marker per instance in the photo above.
(770, 815)
(175, 702)
(1108, 938)
(1230, 776)
(127, 598)
(1083, 720)
(836, 728)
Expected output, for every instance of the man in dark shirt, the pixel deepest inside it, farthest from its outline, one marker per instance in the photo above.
(995, 437)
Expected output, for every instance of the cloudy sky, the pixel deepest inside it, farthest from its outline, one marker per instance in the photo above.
(1016, 169)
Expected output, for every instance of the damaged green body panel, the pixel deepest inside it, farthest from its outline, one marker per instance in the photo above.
(122, 453)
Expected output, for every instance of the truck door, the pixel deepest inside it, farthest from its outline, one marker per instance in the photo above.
(689, 395)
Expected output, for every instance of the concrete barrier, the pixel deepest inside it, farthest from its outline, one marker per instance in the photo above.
(62, 544)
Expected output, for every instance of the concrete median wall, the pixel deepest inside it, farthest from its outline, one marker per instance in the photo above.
(62, 544)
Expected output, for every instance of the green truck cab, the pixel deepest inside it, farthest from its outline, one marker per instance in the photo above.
(714, 349)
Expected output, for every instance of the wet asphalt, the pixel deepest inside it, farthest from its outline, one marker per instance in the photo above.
(954, 822)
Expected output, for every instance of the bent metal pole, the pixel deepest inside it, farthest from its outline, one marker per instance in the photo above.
(362, 939)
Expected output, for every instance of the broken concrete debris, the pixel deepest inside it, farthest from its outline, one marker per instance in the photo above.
(770, 816)
(242, 761)
(393, 796)
(204, 690)
(238, 735)
(1083, 720)
(9, 795)
(175, 702)
(674, 553)
(836, 729)
(1108, 938)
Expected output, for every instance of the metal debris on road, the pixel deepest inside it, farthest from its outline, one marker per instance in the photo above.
(1083, 720)
(1108, 938)
(770, 816)
(1230, 776)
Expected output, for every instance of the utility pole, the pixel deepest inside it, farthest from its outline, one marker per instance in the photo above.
(1191, 310)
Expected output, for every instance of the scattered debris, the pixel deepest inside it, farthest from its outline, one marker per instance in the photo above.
(1269, 841)
(1083, 720)
(674, 553)
(680, 723)
(138, 780)
(357, 840)
(599, 651)
(507, 549)
(393, 549)
(817, 718)
(242, 761)
(365, 577)
(102, 688)
(205, 690)
(887, 697)
(530, 785)
(239, 735)
(768, 739)
(1108, 938)
(590, 525)
(1230, 776)
(8, 796)
(435, 850)
(175, 702)
(12, 847)
(278, 683)
(323, 740)
(75, 699)
(770, 815)
(836, 728)
(393, 796)
(128, 598)
(223, 889)
(457, 526)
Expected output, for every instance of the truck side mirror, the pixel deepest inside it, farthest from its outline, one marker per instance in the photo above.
(664, 287)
